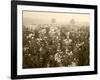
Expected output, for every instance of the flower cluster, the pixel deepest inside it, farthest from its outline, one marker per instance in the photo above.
(55, 46)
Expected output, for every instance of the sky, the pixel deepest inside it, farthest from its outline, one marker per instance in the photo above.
(31, 17)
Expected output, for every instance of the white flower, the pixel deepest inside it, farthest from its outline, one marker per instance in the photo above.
(40, 49)
(39, 39)
(29, 54)
(57, 57)
(43, 31)
(67, 41)
(30, 35)
(26, 48)
(29, 42)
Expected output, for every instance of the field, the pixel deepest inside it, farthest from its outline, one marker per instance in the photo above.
(55, 45)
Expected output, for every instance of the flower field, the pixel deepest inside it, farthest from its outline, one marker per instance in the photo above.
(55, 46)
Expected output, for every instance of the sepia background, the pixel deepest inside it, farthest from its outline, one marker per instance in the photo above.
(32, 17)
(52, 39)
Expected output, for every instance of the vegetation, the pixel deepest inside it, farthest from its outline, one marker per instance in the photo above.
(55, 46)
